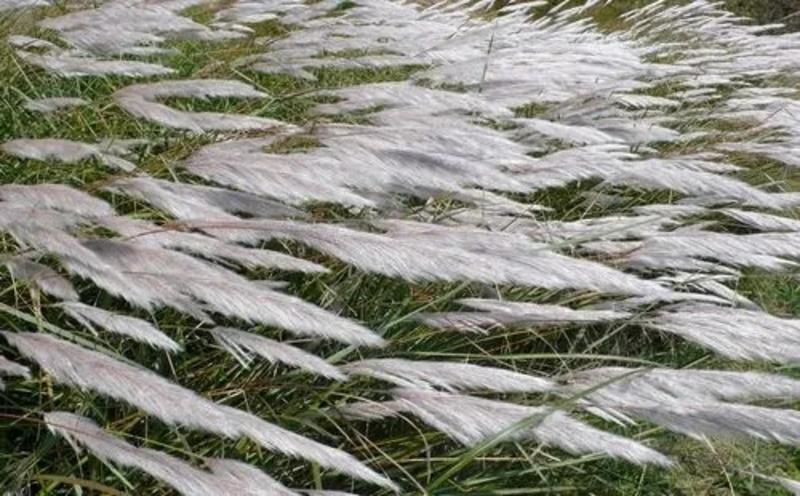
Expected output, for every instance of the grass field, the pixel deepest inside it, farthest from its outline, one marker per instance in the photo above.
(423, 461)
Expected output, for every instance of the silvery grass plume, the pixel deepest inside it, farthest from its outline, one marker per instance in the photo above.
(684, 385)
(471, 420)
(96, 37)
(137, 329)
(148, 234)
(420, 252)
(68, 65)
(790, 485)
(243, 345)
(603, 228)
(449, 376)
(66, 151)
(141, 100)
(735, 333)
(762, 221)
(153, 277)
(9, 368)
(196, 287)
(552, 173)
(498, 314)
(54, 104)
(358, 162)
(691, 179)
(715, 419)
(173, 404)
(57, 197)
(189, 201)
(42, 277)
(686, 400)
(404, 94)
(184, 477)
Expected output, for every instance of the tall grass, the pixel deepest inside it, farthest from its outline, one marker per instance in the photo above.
(423, 461)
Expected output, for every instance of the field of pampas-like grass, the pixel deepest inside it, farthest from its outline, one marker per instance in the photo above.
(380, 247)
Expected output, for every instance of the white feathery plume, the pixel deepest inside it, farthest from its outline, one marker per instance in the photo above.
(573, 164)
(487, 207)
(61, 150)
(109, 41)
(137, 329)
(359, 161)
(141, 100)
(183, 477)
(762, 221)
(531, 256)
(677, 176)
(73, 255)
(45, 230)
(676, 261)
(122, 146)
(72, 365)
(790, 485)
(371, 27)
(149, 277)
(448, 376)
(448, 150)
(433, 252)
(770, 251)
(637, 101)
(734, 333)
(497, 313)
(299, 67)
(684, 385)
(247, 12)
(712, 284)
(595, 228)
(243, 345)
(192, 201)
(9, 368)
(67, 65)
(697, 95)
(238, 473)
(151, 235)
(54, 196)
(148, 289)
(53, 104)
(405, 94)
(610, 249)
(699, 420)
(29, 42)
(47, 148)
(595, 120)
(42, 277)
(671, 210)
(472, 420)
(244, 165)
(785, 152)
(370, 410)
(570, 133)
(121, 27)
(517, 70)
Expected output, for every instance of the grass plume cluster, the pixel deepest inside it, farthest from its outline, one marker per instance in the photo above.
(305, 250)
